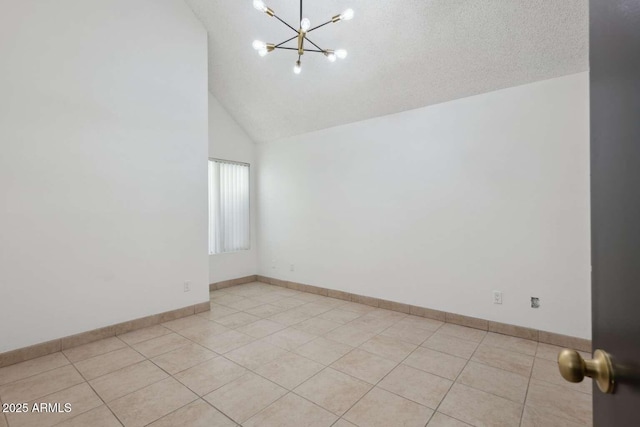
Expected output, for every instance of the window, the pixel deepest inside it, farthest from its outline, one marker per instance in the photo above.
(228, 206)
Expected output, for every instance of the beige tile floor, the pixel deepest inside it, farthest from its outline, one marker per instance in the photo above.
(267, 356)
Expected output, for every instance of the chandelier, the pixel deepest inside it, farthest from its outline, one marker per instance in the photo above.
(302, 35)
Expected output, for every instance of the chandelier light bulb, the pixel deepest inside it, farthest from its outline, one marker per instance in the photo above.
(257, 45)
(347, 15)
(305, 24)
(341, 53)
(331, 57)
(297, 68)
(259, 5)
(263, 52)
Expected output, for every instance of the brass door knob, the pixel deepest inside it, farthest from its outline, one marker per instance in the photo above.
(574, 368)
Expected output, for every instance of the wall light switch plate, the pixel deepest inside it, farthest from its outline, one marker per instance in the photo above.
(187, 286)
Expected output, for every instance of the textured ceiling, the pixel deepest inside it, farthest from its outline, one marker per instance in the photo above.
(403, 54)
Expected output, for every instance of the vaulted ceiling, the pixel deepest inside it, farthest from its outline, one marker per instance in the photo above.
(403, 54)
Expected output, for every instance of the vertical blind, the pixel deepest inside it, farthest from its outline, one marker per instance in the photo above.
(228, 206)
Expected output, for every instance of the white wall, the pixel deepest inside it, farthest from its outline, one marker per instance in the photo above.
(103, 133)
(228, 141)
(439, 206)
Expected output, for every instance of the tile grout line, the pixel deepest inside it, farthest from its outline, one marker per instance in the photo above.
(148, 339)
(495, 367)
(104, 403)
(530, 376)
(199, 398)
(155, 382)
(510, 351)
(62, 389)
(479, 362)
(97, 355)
(409, 355)
(108, 352)
(39, 373)
(458, 376)
(526, 394)
(235, 379)
(96, 392)
(452, 381)
(218, 355)
(435, 410)
(84, 381)
(125, 367)
(31, 376)
(524, 405)
(376, 384)
(288, 391)
(325, 367)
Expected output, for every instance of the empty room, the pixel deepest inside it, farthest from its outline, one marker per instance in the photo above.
(348, 213)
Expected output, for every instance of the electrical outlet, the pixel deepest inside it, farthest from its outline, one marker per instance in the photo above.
(187, 286)
(497, 297)
(535, 302)
(292, 267)
(273, 263)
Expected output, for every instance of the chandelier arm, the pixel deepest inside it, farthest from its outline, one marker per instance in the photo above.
(278, 18)
(286, 41)
(318, 26)
(321, 49)
(293, 48)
